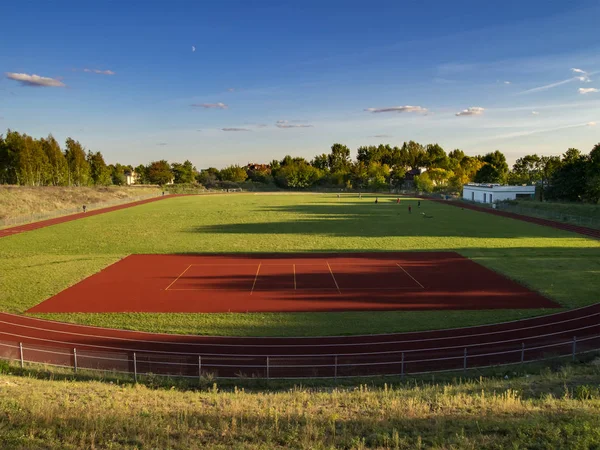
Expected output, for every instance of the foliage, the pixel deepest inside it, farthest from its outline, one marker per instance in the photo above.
(235, 174)
(159, 172)
(183, 173)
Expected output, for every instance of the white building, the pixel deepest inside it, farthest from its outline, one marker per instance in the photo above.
(490, 193)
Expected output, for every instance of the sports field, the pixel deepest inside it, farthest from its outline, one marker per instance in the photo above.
(561, 266)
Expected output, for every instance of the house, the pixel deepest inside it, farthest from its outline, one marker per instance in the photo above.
(131, 177)
(490, 193)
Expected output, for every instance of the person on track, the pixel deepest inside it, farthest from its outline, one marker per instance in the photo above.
(398, 200)
(419, 203)
(84, 208)
(409, 209)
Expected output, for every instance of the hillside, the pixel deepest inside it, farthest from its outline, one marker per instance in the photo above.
(16, 201)
(557, 409)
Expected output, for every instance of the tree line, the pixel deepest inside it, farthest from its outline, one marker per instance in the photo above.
(574, 176)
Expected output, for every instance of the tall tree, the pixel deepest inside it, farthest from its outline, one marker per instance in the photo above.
(78, 167)
(321, 162)
(416, 156)
(436, 157)
(184, 173)
(527, 170)
(159, 172)
(57, 164)
(339, 158)
(99, 171)
(234, 173)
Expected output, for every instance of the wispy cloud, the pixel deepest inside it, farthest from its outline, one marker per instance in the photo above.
(507, 82)
(587, 90)
(398, 109)
(193, 48)
(98, 71)
(287, 124)
(535, 113)
(34, 80)
(472, 111)
(591, 124)
(582, 76)
(162, 144)
(381, 136)
(540, 130)
(262, 125)
(575, 70)
(210, 105)
(235, 129)
(230, 89)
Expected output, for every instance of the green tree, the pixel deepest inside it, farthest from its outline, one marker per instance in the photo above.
(298, 175)
(184, 173)
(526, 170)
(415, 154)
(321, 162)
(117, 174)
(488, 174)
(57, 164)
(436, 157)
(339, 158)
(423, 183)
(142, 174)
(77, 164)
(208, 177)
(99, 171)
(234, 173)
(159, 172)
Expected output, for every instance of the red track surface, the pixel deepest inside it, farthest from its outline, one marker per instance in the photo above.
(46, 223)
(292, 283)
(591, 232)
(107, 349)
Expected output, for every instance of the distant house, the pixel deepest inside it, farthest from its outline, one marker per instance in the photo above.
(131, 177)
(411, 174)
(258, 167)
(490, 193)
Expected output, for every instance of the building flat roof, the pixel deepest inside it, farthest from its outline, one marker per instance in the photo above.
(499, 188)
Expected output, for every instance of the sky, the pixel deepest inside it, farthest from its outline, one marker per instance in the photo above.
(228, 82)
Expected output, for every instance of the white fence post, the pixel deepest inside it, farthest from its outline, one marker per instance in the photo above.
(402, 367)
(199, 367)
(21, 352)
(335, 368)
(267, 367)
(75, 359)
(134, 367)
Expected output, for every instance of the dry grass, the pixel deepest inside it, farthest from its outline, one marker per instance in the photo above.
(18, 201)
(549, 410)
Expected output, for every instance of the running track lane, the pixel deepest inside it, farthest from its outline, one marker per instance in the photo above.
(46, 223)
(590, 232)
(430, 351)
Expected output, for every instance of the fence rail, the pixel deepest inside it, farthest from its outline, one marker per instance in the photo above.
(592, 222)
(30, 218)
(410, 362)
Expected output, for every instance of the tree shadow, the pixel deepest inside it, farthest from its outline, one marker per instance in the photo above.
(386, 219)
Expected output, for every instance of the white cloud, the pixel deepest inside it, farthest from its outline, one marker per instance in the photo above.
(587, 90)
(574, 70)
(235, 129)
(286, 124)
(34, 80)
(381, 136)
(507, 82)
(399, 109)
(98, 71)
(211, 105)
(230, 89)
(591, 124)
(193, 48)
(162, 144)
(472, 111)
(535, 113)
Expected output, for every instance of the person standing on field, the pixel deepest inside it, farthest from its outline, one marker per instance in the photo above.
(409, 209)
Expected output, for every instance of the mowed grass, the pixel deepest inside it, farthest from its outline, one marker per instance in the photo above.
(544, 410)
(36, 265)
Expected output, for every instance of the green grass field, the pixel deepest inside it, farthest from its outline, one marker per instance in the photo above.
(38, 264)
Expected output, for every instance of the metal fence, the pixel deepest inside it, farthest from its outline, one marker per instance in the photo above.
(592, 222)
(30, 218)
(333, 366)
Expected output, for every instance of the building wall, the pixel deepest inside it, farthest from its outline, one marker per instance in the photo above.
(490, 195)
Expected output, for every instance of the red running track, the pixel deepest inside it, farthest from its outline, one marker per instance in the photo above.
(591, 232)
(46, 223)
(340, 356)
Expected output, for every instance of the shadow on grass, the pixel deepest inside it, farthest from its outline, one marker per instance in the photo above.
(385, 219)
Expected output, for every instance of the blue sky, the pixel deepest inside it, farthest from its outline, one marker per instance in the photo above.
(233, 82)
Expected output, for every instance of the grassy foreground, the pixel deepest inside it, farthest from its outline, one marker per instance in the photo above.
(550, 410)
(36, 265)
